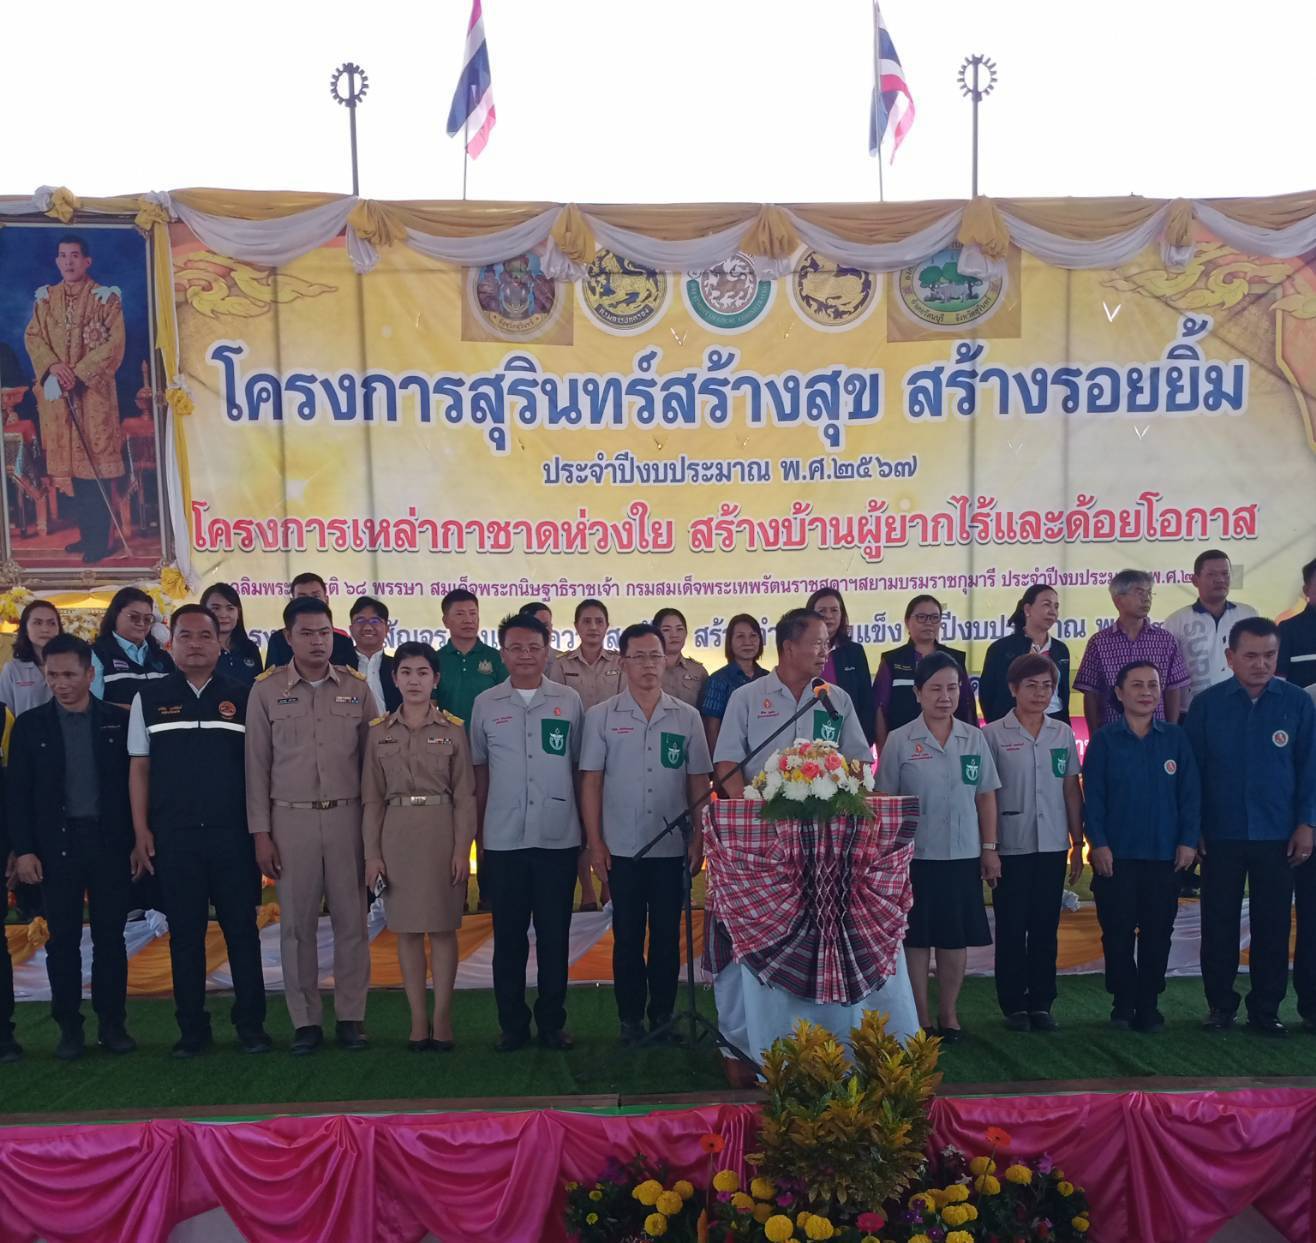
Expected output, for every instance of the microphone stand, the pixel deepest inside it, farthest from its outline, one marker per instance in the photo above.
(683, 823)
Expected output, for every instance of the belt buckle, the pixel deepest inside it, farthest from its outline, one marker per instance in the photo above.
(323, 804)
(417, 800)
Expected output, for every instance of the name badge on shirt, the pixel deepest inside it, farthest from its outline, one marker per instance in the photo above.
(970, 769)
(169, 710)
(1060, 760)
(289, 699)
(673, 750)
(347, 699)
(553, 736)
(824, 728)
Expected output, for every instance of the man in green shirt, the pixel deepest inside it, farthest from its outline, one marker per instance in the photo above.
(467, 666)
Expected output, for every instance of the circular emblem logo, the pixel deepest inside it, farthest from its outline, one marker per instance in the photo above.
(767, 703)
(557, 711)
(227, 710)
(729, 296)
(1171, 767)
(1280, 738)
(514, 299)
(918, 748)
(830, 296)
(622, 296)
(936, 293)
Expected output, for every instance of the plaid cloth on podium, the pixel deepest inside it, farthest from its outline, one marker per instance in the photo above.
(815, 909)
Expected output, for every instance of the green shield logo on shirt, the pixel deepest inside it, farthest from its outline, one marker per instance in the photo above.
(970, 769)
(824, 728)
(673, 750)
(553, 735)
(1060, 760)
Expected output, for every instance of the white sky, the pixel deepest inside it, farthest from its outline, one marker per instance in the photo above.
(678, 100)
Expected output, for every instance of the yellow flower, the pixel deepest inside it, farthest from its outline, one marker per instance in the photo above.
(726, 1180)
(870, 1238)
(959, 1236)
(596, 1195)
(778, 1228)
(957, 1193)
(919, 1238)
(1020, 1174)
(921, 1202)
(819, 1228)
(591, 1219)
(683, 1188)
(742, 1203)
(802, 1218)
(954, 1215)
(1080, 1224)
(655, 1225)
(573, 1186)
(1065, 1189)
(972, 1213)
(982, 1165)
(670, 1203)
(762, 1212)
(648, 1192)
(762, 1189)
(986, 1185)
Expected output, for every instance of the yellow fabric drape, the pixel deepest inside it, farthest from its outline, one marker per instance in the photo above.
(983, 227)
(572, 237)
(374, 223)
(875, 224)
(772, 234)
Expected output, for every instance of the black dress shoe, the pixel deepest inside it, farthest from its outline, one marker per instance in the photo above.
(1218, 1021)
(442, 1046)
(255, 1040)
(510, 1042)
(192, 1046)
(1150, 1023)
(420, 1046)
(1121, 1020)
(306, 1040)
(560, 1040)
(632, 1033)
(10, 1051)
(72, 1044)
(1042, 1021)
(1268, 1027)
(1017, 1021)
(115, 1039)
(950, 1035)
(76, 546)
(351, 1035)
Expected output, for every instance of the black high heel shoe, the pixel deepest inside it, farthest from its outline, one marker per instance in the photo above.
(420, 1046)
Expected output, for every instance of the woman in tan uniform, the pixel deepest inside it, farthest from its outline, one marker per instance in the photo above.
(683, 676)
(418, 791)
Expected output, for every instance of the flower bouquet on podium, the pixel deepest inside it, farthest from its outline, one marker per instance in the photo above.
(811, 781)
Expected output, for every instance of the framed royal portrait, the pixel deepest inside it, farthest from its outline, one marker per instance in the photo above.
(84, 487)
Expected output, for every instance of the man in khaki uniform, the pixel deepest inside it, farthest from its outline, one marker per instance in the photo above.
(307, 723)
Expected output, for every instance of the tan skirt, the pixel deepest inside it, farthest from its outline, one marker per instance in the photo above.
(417, 846)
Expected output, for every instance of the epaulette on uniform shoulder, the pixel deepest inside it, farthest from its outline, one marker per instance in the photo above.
(379, 720)
(260, 677)
(456, 720)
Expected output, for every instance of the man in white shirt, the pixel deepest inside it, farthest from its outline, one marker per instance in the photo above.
(369, 628)
(1203, 626)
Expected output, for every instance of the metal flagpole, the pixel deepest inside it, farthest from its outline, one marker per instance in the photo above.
(466, 151)
(357, 85)
(881, 187)
(971, 84)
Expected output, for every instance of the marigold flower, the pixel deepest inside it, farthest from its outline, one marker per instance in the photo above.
(742, 1203)
(1065, 1189)
(683, 1188)
(573, 1186)
(919, 1238)
(998, 1138)
(591, 1219)
(819, 1228)
(762, 1188)
(762, 1212)
(655, 1225)
(971, 1212)
(596, 1195)
(778, 1228)
(957, 1193)
(726, 1180)
(802, 1218)
(982, 1165)
(987, 1185)
(959, 1236)
(1080, 1224)
(670, 1203)
(1020, 1174)
(648, 1192)
(712, 1142)
(954, 1215)
(921, 1202)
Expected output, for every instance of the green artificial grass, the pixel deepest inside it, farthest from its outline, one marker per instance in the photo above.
(1084, 1048)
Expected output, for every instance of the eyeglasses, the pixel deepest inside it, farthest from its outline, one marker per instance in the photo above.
(369, 621)
(139, 619)
(524, 649)
(1139, 593)
(645, 658)
(927, 619)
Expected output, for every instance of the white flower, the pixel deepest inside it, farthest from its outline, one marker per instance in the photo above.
(773, 763)
(821, 787)
(796, 791)
(752, 795)
(850, 785)
(772, 783)
(869, 782)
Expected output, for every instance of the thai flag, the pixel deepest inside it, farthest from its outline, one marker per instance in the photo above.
(892, 102)
(472, 108)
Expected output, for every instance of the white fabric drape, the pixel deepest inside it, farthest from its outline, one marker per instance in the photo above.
(474, 252)
(273, 243)
(174, 493)
(1288, 243)
(692, 255)
(879, 256)
(1102, 252)
(39, 202)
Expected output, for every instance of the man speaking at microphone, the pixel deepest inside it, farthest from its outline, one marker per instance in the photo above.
(759, 709)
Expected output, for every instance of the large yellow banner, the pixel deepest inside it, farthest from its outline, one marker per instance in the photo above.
(725, 442)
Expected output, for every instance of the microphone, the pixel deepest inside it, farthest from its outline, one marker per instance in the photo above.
(820, 694)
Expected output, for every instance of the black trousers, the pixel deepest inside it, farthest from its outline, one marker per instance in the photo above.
(530, 885)
(1136, 907)
(104, 875)
(1304, 956)
(1026, 902)
(6, 993)
(197, 867)
(93, 515)
(1264, 869)
(646, 895)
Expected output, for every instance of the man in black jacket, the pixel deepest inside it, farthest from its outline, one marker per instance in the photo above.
(10, 1049)
(71, 830)
(279, 652)
(189, 803)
